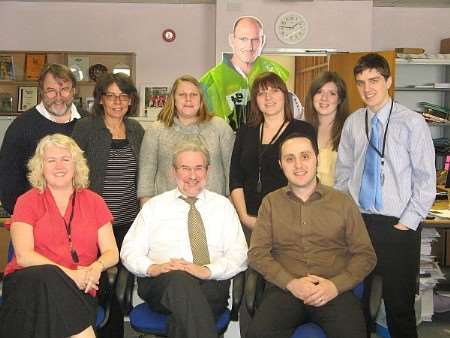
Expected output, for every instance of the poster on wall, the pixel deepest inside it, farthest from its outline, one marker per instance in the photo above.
(28, 98)
(33, 66)
(6, 68)
(153, 99)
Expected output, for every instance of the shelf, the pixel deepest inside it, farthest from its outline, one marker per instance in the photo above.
(85, 87)
(19, 83)
(415, 89)
(423, 62)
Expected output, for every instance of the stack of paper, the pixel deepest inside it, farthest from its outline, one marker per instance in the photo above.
(430, 273)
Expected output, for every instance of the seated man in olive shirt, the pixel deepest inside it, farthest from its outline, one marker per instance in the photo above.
(312, 247)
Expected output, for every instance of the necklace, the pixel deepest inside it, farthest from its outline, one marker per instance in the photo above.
(262, 150)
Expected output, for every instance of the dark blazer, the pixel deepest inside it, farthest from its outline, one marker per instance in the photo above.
(95, 139)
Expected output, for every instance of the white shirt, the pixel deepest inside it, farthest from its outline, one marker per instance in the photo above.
(44, 112)
(160, 233)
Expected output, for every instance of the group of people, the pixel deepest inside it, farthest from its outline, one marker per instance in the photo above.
(101, 184)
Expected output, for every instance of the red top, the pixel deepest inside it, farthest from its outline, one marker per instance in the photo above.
(50, 235)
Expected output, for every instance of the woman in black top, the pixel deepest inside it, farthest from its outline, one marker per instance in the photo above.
(255, 171)
(111, 143)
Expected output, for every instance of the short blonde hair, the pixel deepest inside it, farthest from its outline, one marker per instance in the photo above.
(168, 112)
(36, 163)
(194, 146)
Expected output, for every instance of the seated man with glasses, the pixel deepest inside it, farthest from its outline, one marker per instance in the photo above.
(56, 113)
(185, 245)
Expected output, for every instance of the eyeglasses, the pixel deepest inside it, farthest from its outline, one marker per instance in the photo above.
(52, 93)
(188, 170)
(112, 97)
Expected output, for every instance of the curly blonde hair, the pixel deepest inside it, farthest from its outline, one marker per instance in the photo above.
(36, 163)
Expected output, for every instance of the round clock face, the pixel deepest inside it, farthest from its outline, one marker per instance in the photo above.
(291, 27)
(168, 35)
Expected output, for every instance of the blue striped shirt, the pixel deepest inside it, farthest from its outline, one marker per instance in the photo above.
(409, 187)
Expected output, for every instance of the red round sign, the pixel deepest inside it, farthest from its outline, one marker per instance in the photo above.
(168, 35)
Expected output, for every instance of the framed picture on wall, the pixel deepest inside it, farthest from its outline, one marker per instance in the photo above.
(79, 65)
(153, 99)
(6, 68)
(28, 98)
(6, 103)
(33, 66)
(89, 101)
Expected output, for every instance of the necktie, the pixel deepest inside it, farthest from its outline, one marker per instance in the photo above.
(370, 193)
(197, 235)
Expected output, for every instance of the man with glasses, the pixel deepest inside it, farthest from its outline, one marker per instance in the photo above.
(56, 113)
(185, 245)
(227, 86)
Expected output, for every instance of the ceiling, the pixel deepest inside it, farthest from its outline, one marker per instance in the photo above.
(376, 3)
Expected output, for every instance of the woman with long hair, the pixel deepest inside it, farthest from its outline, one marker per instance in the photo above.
(326, 109)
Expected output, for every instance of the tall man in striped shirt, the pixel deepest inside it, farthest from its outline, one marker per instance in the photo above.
(386, 162)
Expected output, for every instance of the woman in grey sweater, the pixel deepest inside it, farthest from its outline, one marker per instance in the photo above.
(183, 118)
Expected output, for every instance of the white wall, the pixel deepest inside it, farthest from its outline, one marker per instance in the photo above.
(410, 27)
(116, 27)
(202, 29)
(343, 25)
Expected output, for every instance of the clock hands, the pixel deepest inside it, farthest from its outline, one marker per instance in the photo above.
(289, 27)
(292, 33)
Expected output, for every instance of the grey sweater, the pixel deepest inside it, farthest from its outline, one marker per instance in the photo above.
(155, 161)
(95, 139)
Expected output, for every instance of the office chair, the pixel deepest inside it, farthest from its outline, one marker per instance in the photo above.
(145, 320)
(254, 288)
(104, 307)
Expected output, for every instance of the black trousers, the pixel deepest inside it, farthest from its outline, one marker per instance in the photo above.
(193, 304)
(281, 312)
(398, 254)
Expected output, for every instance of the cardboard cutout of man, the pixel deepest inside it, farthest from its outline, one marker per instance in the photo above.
(227, 86)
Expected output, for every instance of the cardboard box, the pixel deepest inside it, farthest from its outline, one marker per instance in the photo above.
(410, 50)
(445, 46)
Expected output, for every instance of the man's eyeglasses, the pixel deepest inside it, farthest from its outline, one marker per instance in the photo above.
(52, 93)
(112, 97)
(187, 170)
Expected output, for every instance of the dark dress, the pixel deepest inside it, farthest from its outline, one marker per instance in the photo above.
(244, 164)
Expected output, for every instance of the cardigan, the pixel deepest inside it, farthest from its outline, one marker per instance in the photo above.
(95, 139)
(159, 144)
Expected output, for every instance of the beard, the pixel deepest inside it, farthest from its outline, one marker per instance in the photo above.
(60, 110)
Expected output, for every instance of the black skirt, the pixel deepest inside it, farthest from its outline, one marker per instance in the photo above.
(43, 302)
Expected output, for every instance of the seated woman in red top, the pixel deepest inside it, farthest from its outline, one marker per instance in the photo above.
(63, 239)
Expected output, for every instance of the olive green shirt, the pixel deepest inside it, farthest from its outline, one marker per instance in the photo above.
(324, 236)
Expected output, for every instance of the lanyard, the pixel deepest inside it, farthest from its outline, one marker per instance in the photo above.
(73, 252)
(381, 154)
(262, 150)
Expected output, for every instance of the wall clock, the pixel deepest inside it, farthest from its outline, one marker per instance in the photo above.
(291, 28)
(168, 35)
